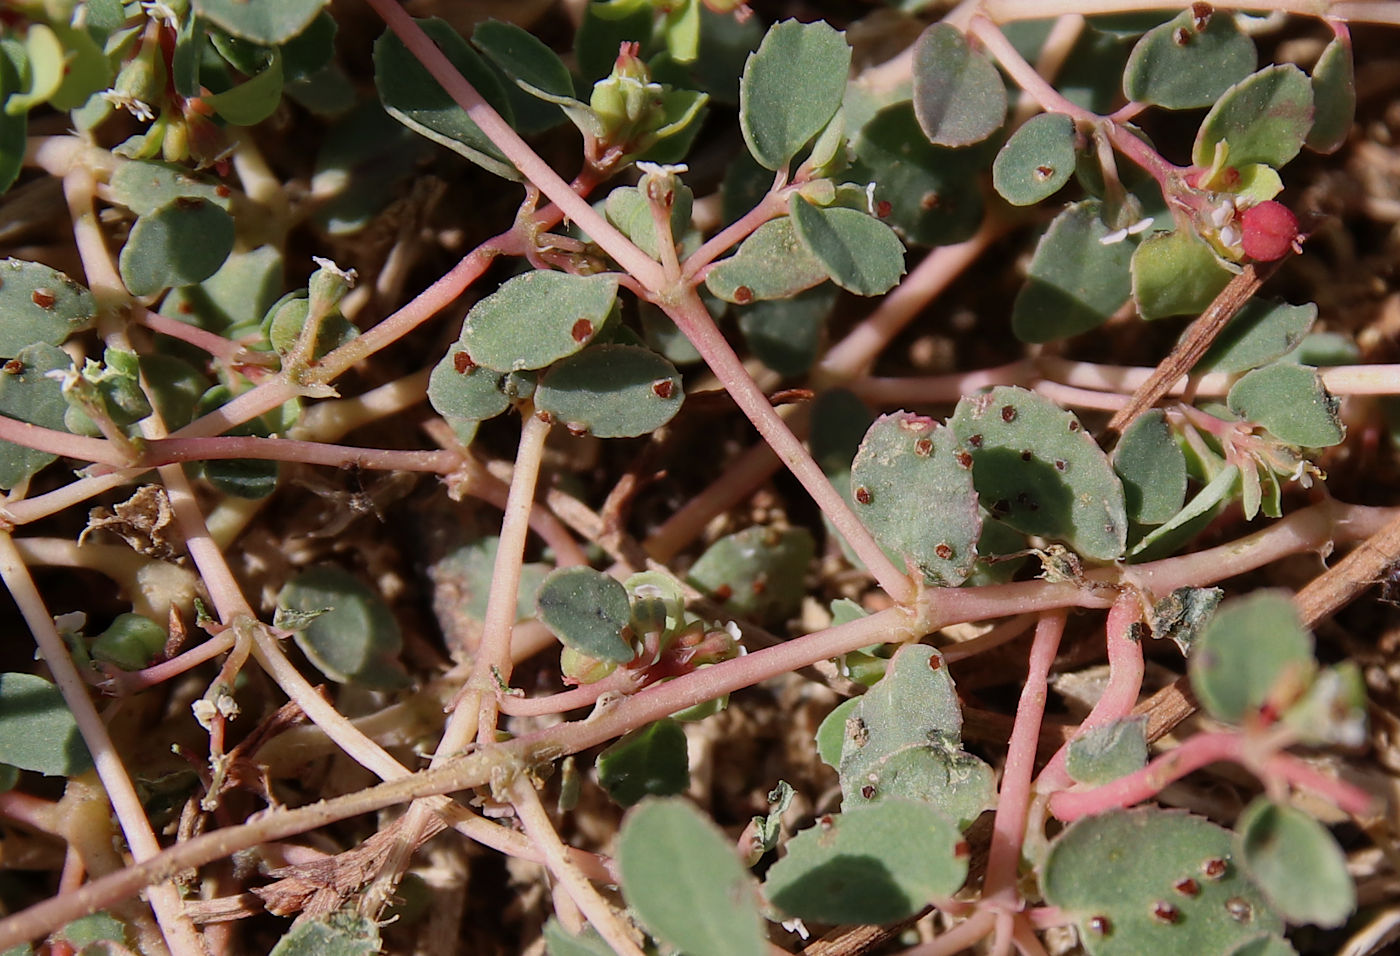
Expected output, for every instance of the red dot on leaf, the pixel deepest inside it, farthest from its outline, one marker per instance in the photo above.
(1270, 229)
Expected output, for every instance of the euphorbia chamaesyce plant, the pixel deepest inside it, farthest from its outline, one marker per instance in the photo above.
(774, 477)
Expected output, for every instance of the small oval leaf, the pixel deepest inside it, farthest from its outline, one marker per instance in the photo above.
(1181, 66)
(611, 391)
(791, 86)
(588, 611)
(458, 388)
(1075, 281)
(651, 761)
(266, 23)
(959, 96)
(537, 318)
(859, 252)
(1334, 96)
(1038, 470)
(356, 640)
(1253, 652)
(181, 242)
(871, 865)
(1152, 467)
(1036, 161)
(705, 907)
(772, 263)
(1175, 273)
(1297, 864)
(40, 304)
(1291, 402)
(1264, 118)
(37, 731)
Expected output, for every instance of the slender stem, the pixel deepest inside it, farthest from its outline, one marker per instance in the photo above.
(693, 319)
(179, 931)
(1125, 670)
(535, 169)
(540, 829)
(1025, 76)
(170, 450)
(1009, 827)
(493, 662)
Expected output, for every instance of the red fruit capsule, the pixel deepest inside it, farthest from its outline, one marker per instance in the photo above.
(1270, 229)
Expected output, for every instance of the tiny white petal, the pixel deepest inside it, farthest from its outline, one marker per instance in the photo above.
(1113, 238)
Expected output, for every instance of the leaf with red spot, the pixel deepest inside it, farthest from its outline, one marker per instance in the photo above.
(534, 320)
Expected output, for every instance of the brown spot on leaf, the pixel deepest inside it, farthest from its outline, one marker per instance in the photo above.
(964, 458)
(1100, 925)
(1008, 413)
(14, 366)
(1181, 36)
(582, 330)
(929, 201)
(1164, 912)
(1061, 464)
(577, 429)
(43, 298)
(1214, 868)
(1027, 454)
(868, 791)
(1187, 887)
(975, 441)
(1200, 15)
(1239, 909)
(663, 388)
(222, 191)
(923, 447)
(1042, 173)
(743, 295)
(962, 850)
(883, 209)
(944, 551)
(863, 495)
(1074, 425)
(462, 362)
(544, 416)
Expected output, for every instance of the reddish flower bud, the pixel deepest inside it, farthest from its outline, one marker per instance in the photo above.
(1270, 229)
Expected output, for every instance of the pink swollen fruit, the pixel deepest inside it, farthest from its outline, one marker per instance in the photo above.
(1270, 229)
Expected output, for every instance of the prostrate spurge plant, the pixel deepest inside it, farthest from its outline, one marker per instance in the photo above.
(193, 398)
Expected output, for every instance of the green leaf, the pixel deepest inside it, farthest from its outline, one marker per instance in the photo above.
(1270, 945)
(357, 641)
(859, 252)
(1180, 66)
(458, 389)
(1175, 273)
(37, 731)
(234, 300)
(1036, 161)
(904, 741)
(786, 334)
(1075, 281)
(1253, 650)
(772, 263)
(831, 732)
(1291, 402)
(283, 325)
(1039, 471)
(611, 391)
(1334, 97)
(932, 192)
(906, 461)
(13, 128)
(181, 242)
(1107, 752)
(1153, 881)
(959, 97)
(533, 66)
(462, 585)
(536, 319)
(703, 907)
(792, 84)
(340, 934)
(415, 99)
(1187, 522)
(93, 928)
(649, 762)
(757, 573)
(253, 100)
(1296, 863)
(144, 186)
(131, 642)
(269, 22)
(29, 395)
(40, 304)
(44, 53)
(870, 865)
(588, 611)
(628, 210)
(86, 69)
(1264, 118)
(768, 829)
(1260, 332)
(1152, 468)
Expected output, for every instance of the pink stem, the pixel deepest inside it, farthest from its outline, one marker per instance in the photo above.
(166, 450)
(1125, 670)
(1193, 754)
(1009, 827)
